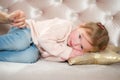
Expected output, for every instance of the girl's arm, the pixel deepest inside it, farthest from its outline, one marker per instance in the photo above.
(53, 48)
(75, 53)
(53, 41)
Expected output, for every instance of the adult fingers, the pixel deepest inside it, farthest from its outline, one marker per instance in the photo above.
(19, 20)
(18, 24)
(22, 26)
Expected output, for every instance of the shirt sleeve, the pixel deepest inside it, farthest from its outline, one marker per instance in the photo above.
(53, 40)
(55, 49)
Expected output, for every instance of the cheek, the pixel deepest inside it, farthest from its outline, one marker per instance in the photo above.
(70, 39)
(77, 48)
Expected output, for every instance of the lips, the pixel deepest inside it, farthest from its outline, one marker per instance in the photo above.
(70, 43)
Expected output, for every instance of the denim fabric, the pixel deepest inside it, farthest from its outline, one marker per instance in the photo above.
(17, 46)
(15, 39)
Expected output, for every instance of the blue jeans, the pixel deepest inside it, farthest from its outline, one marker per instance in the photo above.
(17, 46)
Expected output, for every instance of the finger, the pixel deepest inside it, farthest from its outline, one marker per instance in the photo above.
(24, 25)
(19, 20)
(16, 14)
(21, 14)
(18, 24)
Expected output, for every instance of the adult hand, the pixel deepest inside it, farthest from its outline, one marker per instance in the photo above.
(17, 18)
(4, 18)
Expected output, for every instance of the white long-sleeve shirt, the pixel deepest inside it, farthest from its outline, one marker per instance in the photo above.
(50, 36)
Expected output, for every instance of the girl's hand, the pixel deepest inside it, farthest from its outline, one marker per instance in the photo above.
(75, 53)
(17, 19)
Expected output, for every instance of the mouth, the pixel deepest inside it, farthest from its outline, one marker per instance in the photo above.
(69, 43)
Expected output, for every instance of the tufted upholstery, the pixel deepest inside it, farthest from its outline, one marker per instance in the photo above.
(78, 11)
(108, 12)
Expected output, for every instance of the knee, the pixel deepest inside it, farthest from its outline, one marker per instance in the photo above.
(31, 55)
(23, 40)
(20, 46)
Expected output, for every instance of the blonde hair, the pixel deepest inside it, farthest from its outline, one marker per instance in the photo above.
(98, 34)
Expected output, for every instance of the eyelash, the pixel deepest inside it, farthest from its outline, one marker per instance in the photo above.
(79, 36)
(81, 47)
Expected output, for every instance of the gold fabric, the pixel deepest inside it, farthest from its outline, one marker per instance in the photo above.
(108, 56)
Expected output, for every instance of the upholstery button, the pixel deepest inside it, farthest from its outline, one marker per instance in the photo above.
(109, 17)
(77, 5)
(36, 13)
(3, 9)
(72, 15)
(56, 2)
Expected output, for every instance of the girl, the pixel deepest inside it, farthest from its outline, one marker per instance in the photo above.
(56, 39)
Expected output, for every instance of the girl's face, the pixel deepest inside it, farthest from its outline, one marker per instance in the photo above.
(79, 40)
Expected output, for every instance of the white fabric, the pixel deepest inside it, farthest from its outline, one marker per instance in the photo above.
(46, 70)
(106, 11)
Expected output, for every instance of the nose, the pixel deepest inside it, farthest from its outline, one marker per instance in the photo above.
(77, 42)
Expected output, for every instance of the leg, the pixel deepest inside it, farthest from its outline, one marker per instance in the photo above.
(29, 55)
(16, 39)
